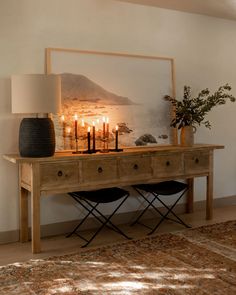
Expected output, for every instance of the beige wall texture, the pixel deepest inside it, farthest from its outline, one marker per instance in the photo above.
(203, 49)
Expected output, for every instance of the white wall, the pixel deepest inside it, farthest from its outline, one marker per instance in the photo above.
(203, 48)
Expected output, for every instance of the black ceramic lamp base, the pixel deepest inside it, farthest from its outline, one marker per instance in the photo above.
(37, 137)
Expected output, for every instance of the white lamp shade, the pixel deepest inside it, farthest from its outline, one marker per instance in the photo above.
(36, 93)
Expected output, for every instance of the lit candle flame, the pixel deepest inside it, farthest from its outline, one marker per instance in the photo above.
(82, 122)
(117, 127)
(76, 117)
(68, 130)
(89, 129)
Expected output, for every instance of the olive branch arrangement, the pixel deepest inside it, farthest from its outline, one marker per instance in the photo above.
(191, 111)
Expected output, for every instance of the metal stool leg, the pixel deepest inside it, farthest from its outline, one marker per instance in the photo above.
(105, 221)
(166, 214)
(90, 211)
(149, 205)
(114, 227)
(172, 212)
(157, 191)
(81, 222)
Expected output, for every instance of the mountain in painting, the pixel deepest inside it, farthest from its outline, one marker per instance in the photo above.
(80, 88)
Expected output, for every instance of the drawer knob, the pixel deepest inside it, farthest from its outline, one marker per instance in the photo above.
(135, 167)
(100, 169)
(59, 173)
(167, 163)
(197, 161)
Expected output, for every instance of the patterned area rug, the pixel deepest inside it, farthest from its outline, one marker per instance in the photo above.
(195, 261)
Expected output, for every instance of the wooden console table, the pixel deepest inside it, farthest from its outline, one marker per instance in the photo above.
(66, 172)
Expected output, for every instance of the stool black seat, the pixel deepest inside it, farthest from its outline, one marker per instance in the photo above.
(164, 188)
(157, 190)
(90, 200)
(105, 195)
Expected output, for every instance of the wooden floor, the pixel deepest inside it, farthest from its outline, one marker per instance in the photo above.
(18, 252)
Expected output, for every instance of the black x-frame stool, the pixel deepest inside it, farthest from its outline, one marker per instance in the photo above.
(157, 190)
(90, 200)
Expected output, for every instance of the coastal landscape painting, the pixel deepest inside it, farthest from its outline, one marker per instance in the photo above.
(126, 90)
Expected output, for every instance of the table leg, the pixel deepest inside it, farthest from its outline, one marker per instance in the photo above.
(35, 210)
(35, 220)
(190, 192)
(209, 198)
(24, 237)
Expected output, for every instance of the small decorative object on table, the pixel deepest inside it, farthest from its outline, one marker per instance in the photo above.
(191, 111)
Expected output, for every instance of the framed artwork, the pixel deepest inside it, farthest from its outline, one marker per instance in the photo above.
(124, 90)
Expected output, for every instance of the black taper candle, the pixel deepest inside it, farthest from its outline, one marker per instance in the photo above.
(76, 127)
(94, 138)
(89, 139)
(116, 141)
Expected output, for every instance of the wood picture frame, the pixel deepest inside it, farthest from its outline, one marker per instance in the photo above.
(127, 88)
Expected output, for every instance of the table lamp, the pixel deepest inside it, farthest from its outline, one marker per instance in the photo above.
(36, 94)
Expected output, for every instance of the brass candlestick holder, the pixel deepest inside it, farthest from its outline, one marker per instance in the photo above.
(76, 151)
(105, 145)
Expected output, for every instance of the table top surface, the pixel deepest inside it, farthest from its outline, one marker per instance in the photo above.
(65, 155)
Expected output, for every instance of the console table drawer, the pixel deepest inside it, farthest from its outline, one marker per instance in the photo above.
(100, 171)
(58, 174)
(168, 165)
(196, 162)
(135, 167)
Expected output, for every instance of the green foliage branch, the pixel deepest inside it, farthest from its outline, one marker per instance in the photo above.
(191, 111)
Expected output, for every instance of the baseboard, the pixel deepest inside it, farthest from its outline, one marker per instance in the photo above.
(62, 228)
(9, 236)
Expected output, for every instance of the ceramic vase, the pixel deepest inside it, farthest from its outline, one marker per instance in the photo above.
(187, 136)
